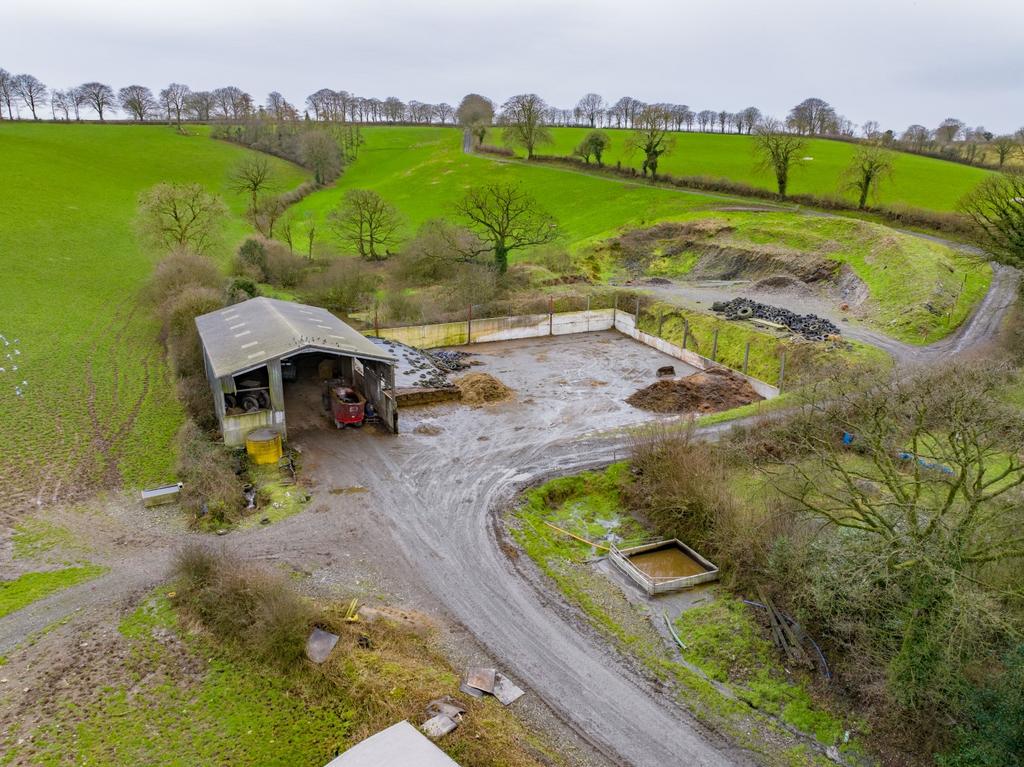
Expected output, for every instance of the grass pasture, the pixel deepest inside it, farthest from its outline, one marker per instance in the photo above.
(921, 182)
(99, 407)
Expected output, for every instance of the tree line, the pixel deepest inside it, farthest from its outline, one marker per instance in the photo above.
(26, 94)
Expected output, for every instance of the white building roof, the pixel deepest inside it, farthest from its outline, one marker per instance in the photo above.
(245, 335)
(400, 745)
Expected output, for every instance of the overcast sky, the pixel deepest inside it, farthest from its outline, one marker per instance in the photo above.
(895, 61)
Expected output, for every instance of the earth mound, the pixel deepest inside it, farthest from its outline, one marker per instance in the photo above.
(482, 389)
(713, 390)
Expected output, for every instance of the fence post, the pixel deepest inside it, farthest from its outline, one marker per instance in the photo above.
(615, 311)
(686, 332)
(376, 320)
(782, 368)
(636, 317)
(551, 315)
(746, 357)
(588, 312)
(714, 347)
(469, 324)
(661, 321)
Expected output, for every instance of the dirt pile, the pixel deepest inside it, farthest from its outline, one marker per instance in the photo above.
(482, 389)
(709, 392)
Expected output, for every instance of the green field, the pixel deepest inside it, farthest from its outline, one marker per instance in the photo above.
(921, 182)
(423, 172)
(99, 407)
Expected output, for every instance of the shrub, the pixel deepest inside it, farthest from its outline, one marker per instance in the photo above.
(242, 289)
(252, 259)
(177, 272)
(284, 269)
(211, 491)
(256, 610)
(346, 285)
(183, 347)
(194, 393)
(680, 485)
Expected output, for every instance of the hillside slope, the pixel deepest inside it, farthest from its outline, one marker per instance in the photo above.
(921, 182)
(99, 406)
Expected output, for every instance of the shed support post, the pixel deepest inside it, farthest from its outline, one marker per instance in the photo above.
(746, 357)
(686, 332)
(714, 347)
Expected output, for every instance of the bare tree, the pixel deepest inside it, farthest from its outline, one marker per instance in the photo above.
(996, 206)
(507, 219)
(320, 153)
(252, 175)
(650, 136)
(523, 118)
(31, 91)
(98, 96)
(1004, 146)
(61, 101)
(77, 99)
(475, 113)
(199, 105)
(174, 98)
(6, 92)
(445, 112)
(706, 119)
(266, 212)
(916, 136)
(138, 101)
(813, 117)
(181, 216)
(949, 129)
(777, 150)
(749, 118)
(724, 119)
(590, 108)
(869, 166)
(367, 222)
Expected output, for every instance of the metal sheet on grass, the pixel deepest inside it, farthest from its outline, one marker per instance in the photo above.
(481, 679)
(320, 644)
(439, 725)
(506, 691)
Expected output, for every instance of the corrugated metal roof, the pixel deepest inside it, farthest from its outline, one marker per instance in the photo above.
(400, 745)
(245, 335)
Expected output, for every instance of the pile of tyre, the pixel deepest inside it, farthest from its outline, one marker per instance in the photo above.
(810, 326)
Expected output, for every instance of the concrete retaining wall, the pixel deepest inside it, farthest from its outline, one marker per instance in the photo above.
(563, 323)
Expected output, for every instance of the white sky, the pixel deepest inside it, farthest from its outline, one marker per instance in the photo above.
(895, 61)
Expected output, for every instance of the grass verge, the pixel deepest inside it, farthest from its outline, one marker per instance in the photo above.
(31, 587)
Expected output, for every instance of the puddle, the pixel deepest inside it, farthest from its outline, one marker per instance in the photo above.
(669, 562)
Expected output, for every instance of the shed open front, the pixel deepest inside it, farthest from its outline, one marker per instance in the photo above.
(270, 362)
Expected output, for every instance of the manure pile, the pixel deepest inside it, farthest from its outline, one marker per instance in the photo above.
(713, 390)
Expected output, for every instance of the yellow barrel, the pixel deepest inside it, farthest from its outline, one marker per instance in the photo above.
(264, 446)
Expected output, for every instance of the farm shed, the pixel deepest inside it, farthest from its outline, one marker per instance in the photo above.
(401, 745)
(260, 351)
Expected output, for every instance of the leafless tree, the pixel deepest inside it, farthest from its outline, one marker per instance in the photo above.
(98, 96)
(507, 219)
(31, 91)
(916, 136)
(253, 175)
(6, 93)
(174, 98)
(590, 108)
(813, 116)
(706, 119)
(750, 116)
(869, 166)
(724, 119)
(266, 212)
(231, 102)
(394, 109)
(138, 101)
(367, 222)
(996, 206)
(949, 129)
(651, 137)
(321, 104)
(278, 107)
(199, 105)
(445, 113)
(77, 99)
(181, 216)
(475, 113)
(777, 150)
(61, 101)
(1004, 146)
(523, 120)
(320, 153)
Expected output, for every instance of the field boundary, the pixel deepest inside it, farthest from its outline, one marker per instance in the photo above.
(469, 332)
